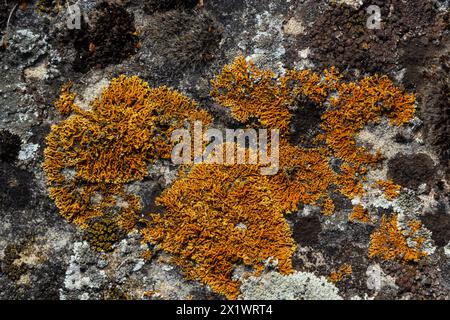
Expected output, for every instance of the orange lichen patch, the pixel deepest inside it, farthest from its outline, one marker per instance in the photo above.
(218, 217)
(390, 243)
(391, 190)
(147, 255)
(350, 184)
(304, 176)
(173, 111)
(357, 104)
(359, 214)
(353, 106)
(92, 154)
(312, 85)
(344, 271)
(253, 93)
(66, 102)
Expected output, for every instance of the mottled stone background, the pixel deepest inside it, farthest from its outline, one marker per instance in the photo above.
(44, 257)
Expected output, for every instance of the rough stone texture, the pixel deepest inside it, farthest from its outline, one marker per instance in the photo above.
(296, 286)
(44, 257)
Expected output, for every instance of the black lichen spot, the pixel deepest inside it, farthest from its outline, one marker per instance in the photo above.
(103, 232)
(341, 38)
(14, 187)
(305, 124)
(181, 41)
(8, 265)
(439, 225)
(306, 230)
(411, 171)
(435, 101)
(9, 146)
(109, 38)
(152, 6)
(149, 199)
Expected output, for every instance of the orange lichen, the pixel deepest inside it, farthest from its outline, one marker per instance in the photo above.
(217, 218)
(349, 184)
(66, 101)
(92, 154)
(391, 190)
(304, 177)
(359, 214)
(390, 243)
(147, 255)
(356, 104)
(253, 93)
(344, 271)
(220, 217)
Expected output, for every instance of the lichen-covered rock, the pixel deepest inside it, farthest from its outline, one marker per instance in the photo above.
(296, 286)
(374, 223)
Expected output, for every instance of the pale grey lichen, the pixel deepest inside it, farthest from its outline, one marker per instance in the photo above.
(296, 286)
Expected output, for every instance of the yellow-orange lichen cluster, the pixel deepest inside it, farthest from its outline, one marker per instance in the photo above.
(91, 155)
(390, 242)
(391, 190)
(344, 271)
(218, 217)
(252, 93)
(360, 214)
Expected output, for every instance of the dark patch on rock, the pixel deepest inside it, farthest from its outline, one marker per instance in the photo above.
(47, 280)
(340, 37)
(152, 6)
(180, 41)
(405, 278)
(446, 274)
(8, 266)
(108, 39)
(3, 15)
(347, 246)
(341, 202)
(305, 124)
(306, 230)
(411, 171)
(15, 190)
(225, 8)
(439, 224)
(434, 98)
(149, 199)
(402, 138)
(9, 146)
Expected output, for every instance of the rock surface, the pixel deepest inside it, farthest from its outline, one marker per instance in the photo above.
(42, 256)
